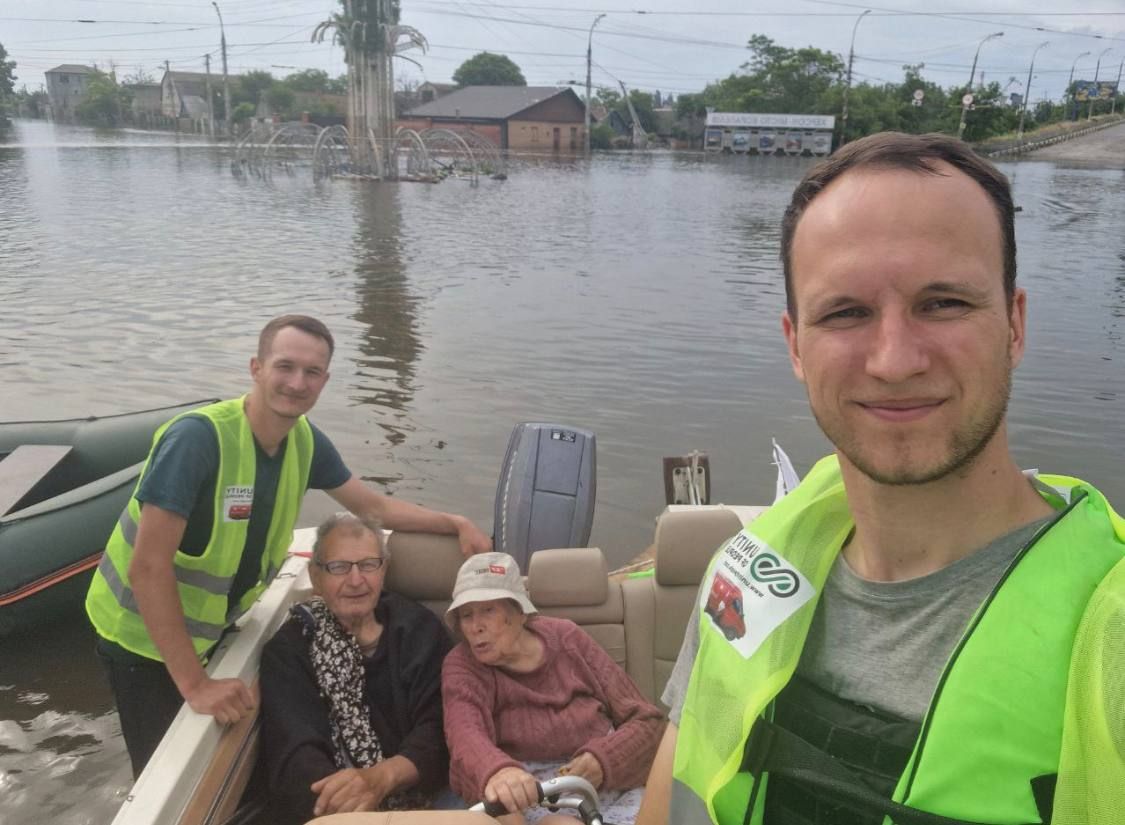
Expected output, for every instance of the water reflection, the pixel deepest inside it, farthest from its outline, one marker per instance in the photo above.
(389, 343)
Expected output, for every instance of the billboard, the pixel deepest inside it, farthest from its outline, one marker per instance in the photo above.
(1088, 90)
(756, 121)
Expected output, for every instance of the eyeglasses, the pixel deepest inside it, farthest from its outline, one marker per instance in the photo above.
(342, 568)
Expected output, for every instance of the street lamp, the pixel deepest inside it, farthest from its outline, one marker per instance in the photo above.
(972, 76)
(226, 77)
(589, 61)
(1027, 88)
(1070, 83)
(848, 82)
(1097, 68)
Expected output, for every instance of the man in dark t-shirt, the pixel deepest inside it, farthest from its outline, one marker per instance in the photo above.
(177, 496)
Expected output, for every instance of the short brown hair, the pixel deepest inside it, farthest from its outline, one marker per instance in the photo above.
(305, 323)
(917, 153)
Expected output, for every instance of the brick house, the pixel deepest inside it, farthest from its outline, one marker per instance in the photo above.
(522, 118)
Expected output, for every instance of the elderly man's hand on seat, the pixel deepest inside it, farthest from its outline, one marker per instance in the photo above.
(345, 791)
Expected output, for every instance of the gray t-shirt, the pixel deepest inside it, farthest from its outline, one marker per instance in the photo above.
(884, 644)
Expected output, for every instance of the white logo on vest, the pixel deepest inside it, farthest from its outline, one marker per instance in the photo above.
(751, 591)
(237, 501)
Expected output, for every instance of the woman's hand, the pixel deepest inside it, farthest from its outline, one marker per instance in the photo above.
(587, 766)
(512, 787)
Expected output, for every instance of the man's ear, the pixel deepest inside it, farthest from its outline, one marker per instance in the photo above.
(789, 329)
(255, 366)
(1017, 322)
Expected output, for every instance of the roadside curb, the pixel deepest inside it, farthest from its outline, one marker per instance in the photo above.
(1031, 145)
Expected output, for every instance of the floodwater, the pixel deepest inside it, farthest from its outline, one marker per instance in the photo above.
(636, 295)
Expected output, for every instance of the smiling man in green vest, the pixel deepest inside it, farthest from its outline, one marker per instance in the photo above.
(931, 635)
(208, 527)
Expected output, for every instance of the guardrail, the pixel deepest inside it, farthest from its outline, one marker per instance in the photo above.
(1016, 147)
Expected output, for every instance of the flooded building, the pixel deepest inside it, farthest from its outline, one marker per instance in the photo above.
(66, 88)
(528, 118)
(768, 134)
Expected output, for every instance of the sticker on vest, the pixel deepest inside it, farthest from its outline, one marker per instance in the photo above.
(752, 591)
(237, 502)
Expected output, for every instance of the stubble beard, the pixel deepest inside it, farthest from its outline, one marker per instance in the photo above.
(963, 447)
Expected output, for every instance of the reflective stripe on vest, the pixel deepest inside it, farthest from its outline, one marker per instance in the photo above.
(1005, 684)
(204, 580)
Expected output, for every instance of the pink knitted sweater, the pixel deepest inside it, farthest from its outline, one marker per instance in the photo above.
(577, 700)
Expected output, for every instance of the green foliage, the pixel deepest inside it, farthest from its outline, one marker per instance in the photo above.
(777, 79)
(309, 80)
(251, 86)
(105, 102)
(7, 74)
(242, 112)
(488, 69)
(601, 136)
(32, 104)
(280, 99)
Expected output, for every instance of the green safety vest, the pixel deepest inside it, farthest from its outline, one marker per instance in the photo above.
(1035, 687)
(204, 581)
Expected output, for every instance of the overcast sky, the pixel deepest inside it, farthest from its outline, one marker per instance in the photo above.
(673, 46)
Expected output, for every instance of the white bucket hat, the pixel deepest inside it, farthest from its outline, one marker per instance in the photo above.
(488, 576)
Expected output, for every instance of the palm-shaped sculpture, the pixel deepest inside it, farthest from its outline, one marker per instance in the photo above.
(370, 32)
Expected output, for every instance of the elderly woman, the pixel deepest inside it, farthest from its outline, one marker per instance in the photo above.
(351, 689)
(529, 697)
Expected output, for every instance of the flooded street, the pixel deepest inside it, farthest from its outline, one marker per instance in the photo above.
(637, 295)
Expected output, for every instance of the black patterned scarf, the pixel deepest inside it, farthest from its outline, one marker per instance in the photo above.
(338, 664)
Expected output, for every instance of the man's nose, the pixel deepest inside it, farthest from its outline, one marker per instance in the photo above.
(354, 576)
(898, 350)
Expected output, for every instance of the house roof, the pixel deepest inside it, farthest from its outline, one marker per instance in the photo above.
(488, 102)
(71, 68)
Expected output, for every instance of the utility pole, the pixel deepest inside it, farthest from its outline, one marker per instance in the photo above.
(589, 90)
(1027, 88)
(226, 77)
(1117, 89)
(848, 82)
(1097, 68)
(210, 100)
(972, 75)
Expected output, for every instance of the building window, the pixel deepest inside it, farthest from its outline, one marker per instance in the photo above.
(534, 134)
(64, 79)
(573, 137)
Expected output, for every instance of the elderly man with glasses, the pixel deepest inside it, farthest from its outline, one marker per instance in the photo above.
(351, 689)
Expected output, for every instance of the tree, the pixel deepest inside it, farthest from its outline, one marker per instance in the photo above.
(7, 74)
(105, 102)
(252, 85)
(280, 99)
(308, 80)
(139, 77)
(487, 69)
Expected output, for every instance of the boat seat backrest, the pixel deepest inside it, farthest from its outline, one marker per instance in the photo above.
(658, 608)
(574, 584)
(424, 568)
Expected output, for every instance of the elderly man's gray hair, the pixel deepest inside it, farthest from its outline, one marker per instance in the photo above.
(351, 525)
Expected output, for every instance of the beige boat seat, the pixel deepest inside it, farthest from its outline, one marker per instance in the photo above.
(657, 608)
(574, 584)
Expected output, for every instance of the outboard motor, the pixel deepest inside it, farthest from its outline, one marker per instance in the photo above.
(545, 496)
